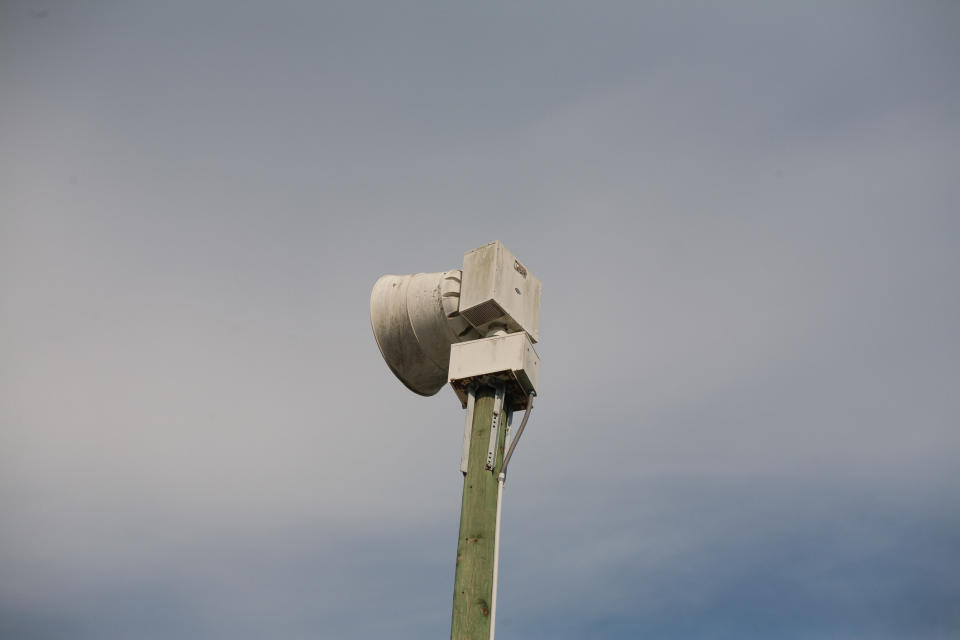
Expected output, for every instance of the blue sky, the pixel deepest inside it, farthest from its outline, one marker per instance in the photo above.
(745, 221)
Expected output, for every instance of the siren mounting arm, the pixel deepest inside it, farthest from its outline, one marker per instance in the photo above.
(516, 438)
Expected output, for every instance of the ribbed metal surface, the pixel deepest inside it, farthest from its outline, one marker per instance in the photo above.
(483, 313)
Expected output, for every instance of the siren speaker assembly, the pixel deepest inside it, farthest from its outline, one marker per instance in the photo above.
(418, 318)
(415, 319)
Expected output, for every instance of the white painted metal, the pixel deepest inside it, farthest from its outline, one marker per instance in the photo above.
(510, 359)
(495, 423)
(467, 428)
(501, 478)
(498, 290)
(415, 319)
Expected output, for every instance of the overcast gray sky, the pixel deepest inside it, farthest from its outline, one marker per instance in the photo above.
(745, 217)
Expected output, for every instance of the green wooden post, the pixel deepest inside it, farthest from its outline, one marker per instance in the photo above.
(473, 582)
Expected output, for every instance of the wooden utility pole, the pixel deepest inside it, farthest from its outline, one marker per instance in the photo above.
(473, 582)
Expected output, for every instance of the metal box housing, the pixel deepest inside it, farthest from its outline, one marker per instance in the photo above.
(497, 289)
(509, 359)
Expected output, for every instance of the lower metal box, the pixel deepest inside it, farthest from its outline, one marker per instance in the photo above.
(509, 359)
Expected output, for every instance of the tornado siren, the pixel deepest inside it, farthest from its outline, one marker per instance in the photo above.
(475, 328)
(425, 321)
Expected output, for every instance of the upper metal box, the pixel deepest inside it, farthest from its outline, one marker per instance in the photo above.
(497, 289)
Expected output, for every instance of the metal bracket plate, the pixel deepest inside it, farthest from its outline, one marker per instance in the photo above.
(495, 424)
(467, 428)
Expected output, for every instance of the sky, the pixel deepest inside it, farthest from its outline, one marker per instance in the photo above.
(745, 218)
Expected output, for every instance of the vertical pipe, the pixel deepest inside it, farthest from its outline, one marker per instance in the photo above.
(496, 555)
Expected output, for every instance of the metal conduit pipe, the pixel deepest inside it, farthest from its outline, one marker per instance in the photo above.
(501, 479)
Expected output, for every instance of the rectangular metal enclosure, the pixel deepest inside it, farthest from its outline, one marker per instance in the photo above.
(508, 358)
(497, 289)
